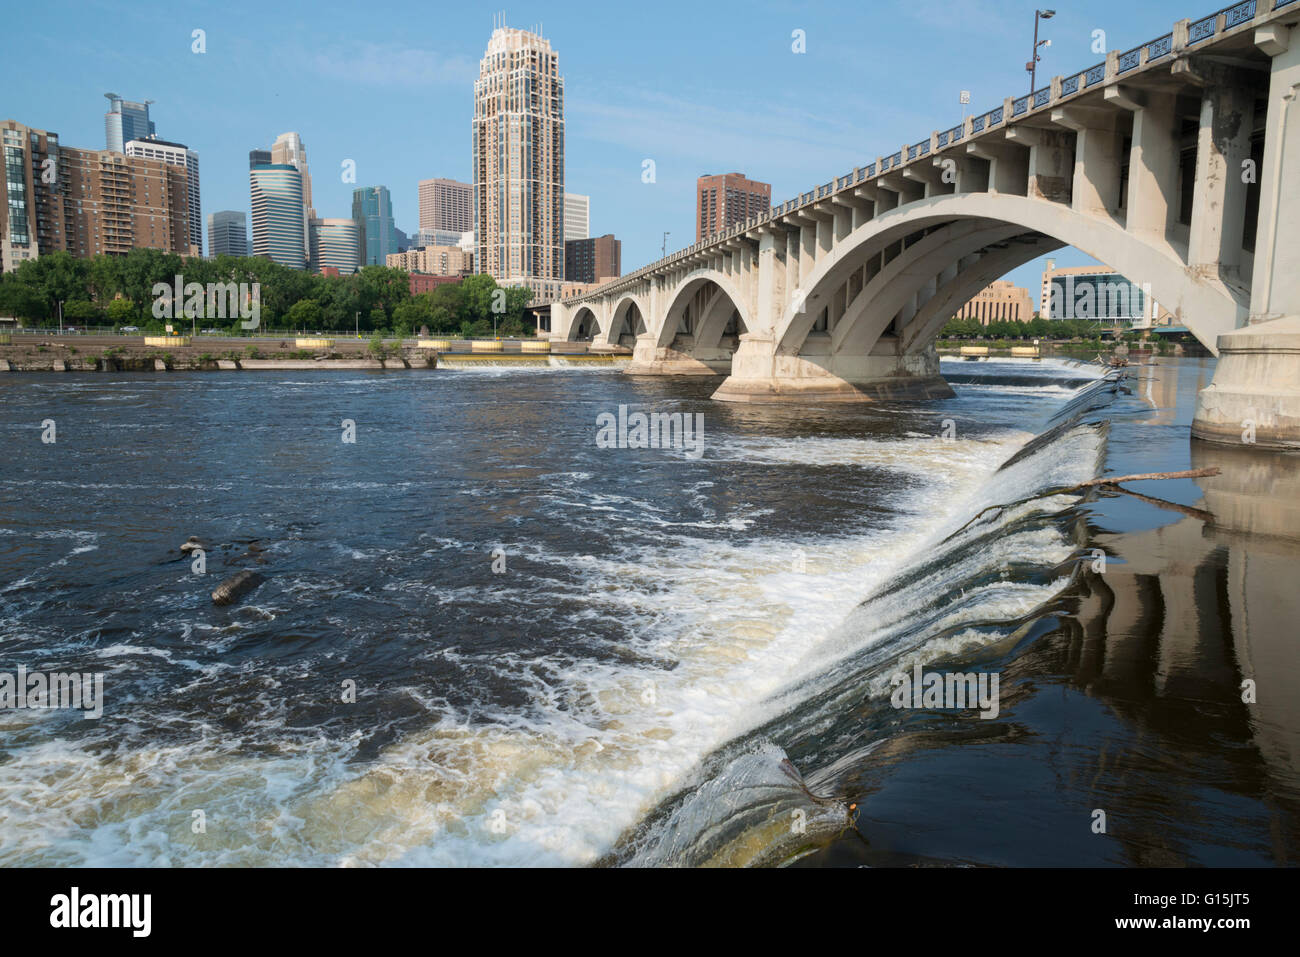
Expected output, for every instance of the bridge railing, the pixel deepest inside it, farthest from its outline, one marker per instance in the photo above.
(1070, 85)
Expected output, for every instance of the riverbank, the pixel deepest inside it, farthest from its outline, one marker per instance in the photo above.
(111, 354)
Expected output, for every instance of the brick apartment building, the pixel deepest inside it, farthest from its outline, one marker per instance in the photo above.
(593, 260)
(723, 201)
(87, 202)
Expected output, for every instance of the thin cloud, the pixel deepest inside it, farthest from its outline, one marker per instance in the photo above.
(388, 64)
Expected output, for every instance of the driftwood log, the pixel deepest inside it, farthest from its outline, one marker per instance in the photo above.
(1112, 481)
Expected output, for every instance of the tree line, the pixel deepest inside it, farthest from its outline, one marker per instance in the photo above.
(1036, 328)
(118, 291)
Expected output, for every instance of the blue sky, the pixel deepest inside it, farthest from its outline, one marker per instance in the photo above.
(697, 87)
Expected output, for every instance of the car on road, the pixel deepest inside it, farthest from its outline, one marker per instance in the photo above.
(211, 332)
(130, 328)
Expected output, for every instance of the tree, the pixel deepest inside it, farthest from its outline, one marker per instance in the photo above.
(122, 312)
(305, 314)
(413, 313)
(80, 310)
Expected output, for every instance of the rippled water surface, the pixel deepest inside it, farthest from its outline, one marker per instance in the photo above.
(676, 653)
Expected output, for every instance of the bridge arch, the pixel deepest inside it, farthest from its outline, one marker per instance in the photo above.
(714, 312)
(970, 276)
(627, 317)
(585, 324)
(955, 226)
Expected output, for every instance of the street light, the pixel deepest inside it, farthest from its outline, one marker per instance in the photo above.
(1032, 66)
(663, 250)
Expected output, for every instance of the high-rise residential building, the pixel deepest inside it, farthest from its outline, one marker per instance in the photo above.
(434, 260)
(31, 203)
(288, 149)
(592, 260)
(227, 233)
(518, 131)
(176, 154)
(372, 208)
(725, 200)
(259, 158)
(87, 202)
(446, 206)
(577, 217)
(126, 121)
(279, 232)
(336, 244)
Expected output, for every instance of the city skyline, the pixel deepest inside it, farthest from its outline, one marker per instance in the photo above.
(620, 109)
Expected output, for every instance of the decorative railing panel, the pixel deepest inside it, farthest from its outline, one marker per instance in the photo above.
(1202, 29)
(1161, 47)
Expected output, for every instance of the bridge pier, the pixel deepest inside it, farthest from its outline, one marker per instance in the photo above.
(1255, 395)
(680, 358)
(760, 374)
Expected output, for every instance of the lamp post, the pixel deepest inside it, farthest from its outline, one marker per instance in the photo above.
(663, 250)
(1032, 66)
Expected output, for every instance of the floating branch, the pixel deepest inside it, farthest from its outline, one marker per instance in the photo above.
(1109, 480)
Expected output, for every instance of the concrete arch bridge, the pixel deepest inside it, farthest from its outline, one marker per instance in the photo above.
(1177, 163)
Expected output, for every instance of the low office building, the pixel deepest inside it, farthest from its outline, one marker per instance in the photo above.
(1098, 293)
(1000, 301)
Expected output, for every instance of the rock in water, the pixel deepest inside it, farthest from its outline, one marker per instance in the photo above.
(191, 544)
(236, 585)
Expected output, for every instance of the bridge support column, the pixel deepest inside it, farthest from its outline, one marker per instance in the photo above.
(1255, 395)
(1219, 198)
(760, 374)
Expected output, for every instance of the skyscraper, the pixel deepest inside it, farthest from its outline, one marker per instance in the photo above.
(288, 149)
(279, 231)
(259, 158)
(723, 201)
(336, 243)
(446, 206)
(372, 208)
(125, 121)
(577, 216)
(227, 233)
(176, 154)
(518, 131)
